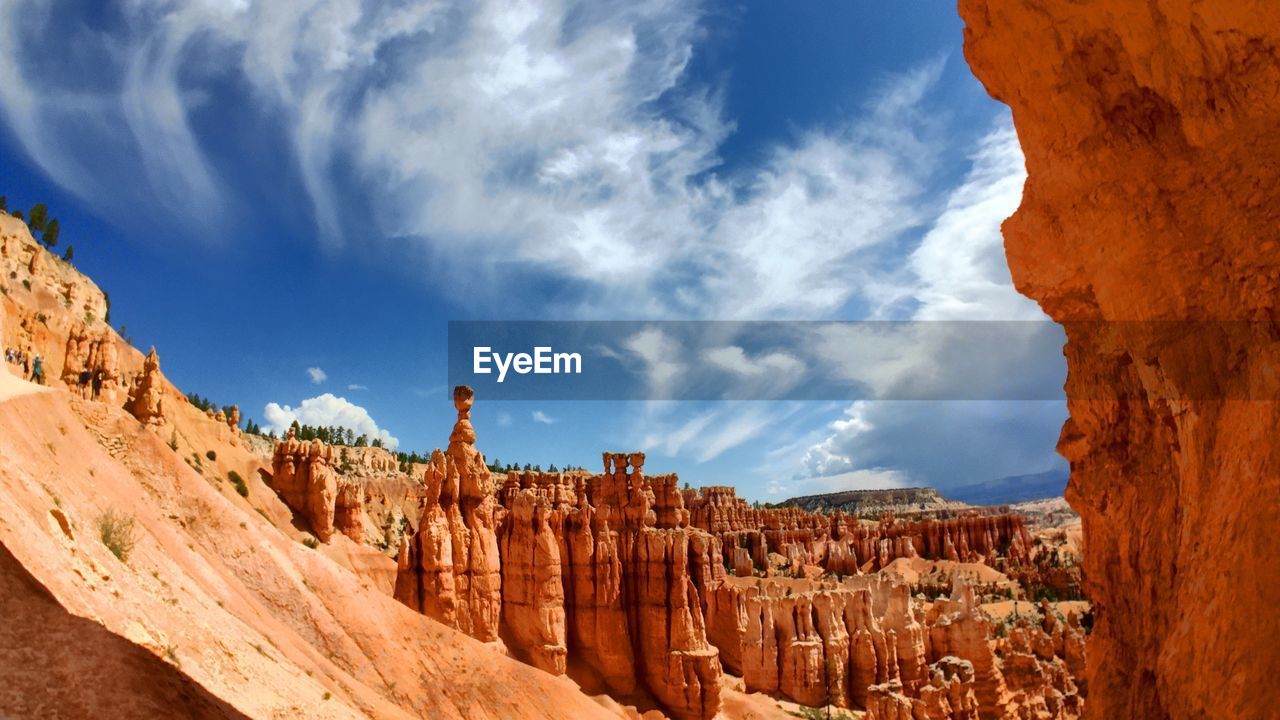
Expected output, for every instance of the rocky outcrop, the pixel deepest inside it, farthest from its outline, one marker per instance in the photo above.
(450, 568)
(597, 576)
(146, 397)
(1148, 228)
(867, 643)
(874, 503)
(844, 544)
(533, 600)
(302, 475)
(630, 572)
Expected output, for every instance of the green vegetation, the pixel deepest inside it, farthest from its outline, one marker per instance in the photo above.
(116, 531)
(50, 236)
(37, 218)
(311, 542)
(238, 482)
(211, 455)
(333, 435)
(498, 467)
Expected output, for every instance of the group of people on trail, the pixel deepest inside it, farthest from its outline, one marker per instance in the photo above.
(32, 367)
(94, 378)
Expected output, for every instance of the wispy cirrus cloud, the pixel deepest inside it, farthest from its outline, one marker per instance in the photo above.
(572, 144)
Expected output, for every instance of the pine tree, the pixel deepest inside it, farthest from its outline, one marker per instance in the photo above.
(50, 237)
(39, 216)
(69, 253)
(4, 204)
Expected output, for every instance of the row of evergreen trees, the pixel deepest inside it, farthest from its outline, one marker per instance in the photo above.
(498, 467)
(334, 435)
(42, 226)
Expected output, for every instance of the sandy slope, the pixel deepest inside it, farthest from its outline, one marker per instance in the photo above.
(217, 611)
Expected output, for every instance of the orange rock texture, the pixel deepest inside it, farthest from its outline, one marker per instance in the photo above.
(450, 568)
(1148, 226)
(844, 544)
(866, 642)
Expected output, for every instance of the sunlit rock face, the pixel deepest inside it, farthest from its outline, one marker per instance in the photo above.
(1153, 156)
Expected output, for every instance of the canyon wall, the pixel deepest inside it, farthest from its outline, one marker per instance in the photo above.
(846, 544)
(619, 580)
(1148, 227)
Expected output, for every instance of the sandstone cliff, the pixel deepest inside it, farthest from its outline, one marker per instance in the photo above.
(1148, 226)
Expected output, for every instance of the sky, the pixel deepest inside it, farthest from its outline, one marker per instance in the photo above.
(292, 200)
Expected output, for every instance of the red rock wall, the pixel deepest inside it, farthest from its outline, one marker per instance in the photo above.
(1153, 194)
(844, 544)
(866, 643)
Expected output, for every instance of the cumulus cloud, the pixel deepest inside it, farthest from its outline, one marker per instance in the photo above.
(326, 410)
(541, 417)
(317, 375)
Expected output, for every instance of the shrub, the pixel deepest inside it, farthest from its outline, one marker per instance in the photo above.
(311, 542)
(116, 530)
(211, 455)
(238, 481)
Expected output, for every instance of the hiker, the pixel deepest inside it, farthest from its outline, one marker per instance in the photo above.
(37, 370)
(98, 377)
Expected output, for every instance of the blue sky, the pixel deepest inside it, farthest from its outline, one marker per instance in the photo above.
(267, 188)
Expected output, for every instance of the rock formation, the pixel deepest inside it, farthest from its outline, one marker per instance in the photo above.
(449, 569)
(874, 503)
(1148, 228)
(844, 544)
(865, 642)
(607, 578)
(302, 475)
(146, 397)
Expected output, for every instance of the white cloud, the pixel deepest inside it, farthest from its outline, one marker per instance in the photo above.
(355, 386)
(491, 134)
(505, 419)
(864, 479)
(317, 375)
(667, 429)
(541, 417)
(956, 273)
(326, 410)
(660, 355)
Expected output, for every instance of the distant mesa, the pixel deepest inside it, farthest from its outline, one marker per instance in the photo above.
(873, 503)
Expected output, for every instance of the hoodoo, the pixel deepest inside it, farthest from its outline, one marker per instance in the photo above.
(1148, 226)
